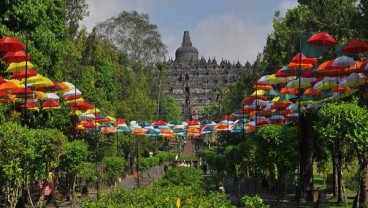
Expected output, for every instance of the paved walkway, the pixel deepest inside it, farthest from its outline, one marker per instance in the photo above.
(188, 149)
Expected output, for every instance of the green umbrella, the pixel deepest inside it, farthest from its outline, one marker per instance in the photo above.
(271, 93)
(144, 124)
(152, 133)
(176, 122)
(312, 51)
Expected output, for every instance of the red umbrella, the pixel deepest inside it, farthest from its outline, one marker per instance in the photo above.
(159, 123)
(193, 123)
(2, 80)
(22, 74)
(18, 56)
(281, 73)
(22, 91)
(303, 59)
(322, 39)
(50, 104)
(262, 86)
(82, 106)
(72, 97)
(11, 44)
(355, 46)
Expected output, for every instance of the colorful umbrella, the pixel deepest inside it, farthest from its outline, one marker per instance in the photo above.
(322, 39)
(14, 67)
(22, 74)
(18, 56)
(355, 46)
(11, 44)
(51, 104)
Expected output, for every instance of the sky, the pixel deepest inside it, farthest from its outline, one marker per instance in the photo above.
(233, 30)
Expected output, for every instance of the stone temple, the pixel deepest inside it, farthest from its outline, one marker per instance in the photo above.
(195, 82)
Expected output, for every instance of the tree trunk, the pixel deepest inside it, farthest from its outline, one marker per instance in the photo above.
(306, 155)
(334, 174)
(364, 185)
(339, 179)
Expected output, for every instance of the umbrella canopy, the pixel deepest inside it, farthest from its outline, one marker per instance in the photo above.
(50, 104)
(301, 58)
(343, 62)
(11, 44)
(139, 132)
(355, 46)
(84, 105)
(14, 67)
(22, 74)
(17, 56)
(152, 133)
(11, 85)
(193, 132)
(144, 124)
(207, 130)
(322, 39)
(159, 123)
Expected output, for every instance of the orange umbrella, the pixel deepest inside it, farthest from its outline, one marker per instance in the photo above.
(311, 91)
(166, 133)
(11, 85)
(193, 132)
(139, 132)
(293, 91)
(302, 66)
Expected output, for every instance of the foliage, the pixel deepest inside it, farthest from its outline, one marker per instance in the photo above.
(164, 156)
(253, 202)
(113, 167)
(43, 26)
(75, 11)
(277, 146)
(140, 38)
(74, 156)
(146, 163)
(170, 109)
(182, 176)
(165, 193)
(14, 152)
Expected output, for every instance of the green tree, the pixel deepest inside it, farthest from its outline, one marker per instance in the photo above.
(15, 151)
(140, 38)
(344, 136)
(170, 109)
(277, 154)
(75, 11)
(42, 24)
(73, 157)
(113, 168)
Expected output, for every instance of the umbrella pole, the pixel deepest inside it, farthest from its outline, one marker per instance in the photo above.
(23, 196)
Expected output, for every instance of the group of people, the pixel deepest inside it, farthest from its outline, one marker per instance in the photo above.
(185, 164)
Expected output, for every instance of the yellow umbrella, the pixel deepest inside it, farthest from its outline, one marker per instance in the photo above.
(258, 92)
(72, 101)
(92, 111)
(278, 80)
(16, 67)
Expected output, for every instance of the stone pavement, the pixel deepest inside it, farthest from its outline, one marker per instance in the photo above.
(188, 149)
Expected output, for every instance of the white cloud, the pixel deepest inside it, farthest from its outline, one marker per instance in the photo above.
(99, 10)
(230, 37)
(287, 4)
